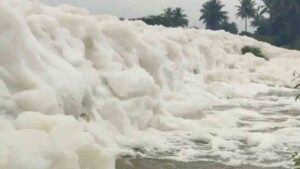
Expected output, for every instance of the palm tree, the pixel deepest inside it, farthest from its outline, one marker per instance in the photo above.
(168, 12)
(259, 18)
(212, 14)
(179, 17)
(174, 17)
(246, 10)
(167, 16)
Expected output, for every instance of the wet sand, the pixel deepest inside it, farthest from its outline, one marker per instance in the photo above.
(169, 164)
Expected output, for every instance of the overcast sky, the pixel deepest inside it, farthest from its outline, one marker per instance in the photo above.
(138, 8)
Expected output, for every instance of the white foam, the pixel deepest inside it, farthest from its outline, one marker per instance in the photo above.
(77, 89)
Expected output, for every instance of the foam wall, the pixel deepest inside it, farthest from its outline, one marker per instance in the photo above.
(75, 88)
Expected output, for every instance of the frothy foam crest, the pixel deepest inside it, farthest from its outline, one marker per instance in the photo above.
(77, 90)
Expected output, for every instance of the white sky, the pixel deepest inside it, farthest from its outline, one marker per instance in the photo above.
(139, 8)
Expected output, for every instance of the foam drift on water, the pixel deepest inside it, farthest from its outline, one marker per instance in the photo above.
(134, 84)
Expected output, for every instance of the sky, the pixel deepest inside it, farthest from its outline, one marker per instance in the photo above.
(139, 8)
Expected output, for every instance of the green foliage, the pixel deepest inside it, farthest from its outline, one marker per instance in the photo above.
(213, 15)
(246, 10)
(215, 18)
(281, 25)
(259, 18)
(296, 44)
(169, 18)
(296, 159)
(154, 20)
(179, 18)
(254, 50)
(229, 27)
(264, 38)
(246, 34)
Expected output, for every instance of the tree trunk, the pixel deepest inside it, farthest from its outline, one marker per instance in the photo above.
(246, 24)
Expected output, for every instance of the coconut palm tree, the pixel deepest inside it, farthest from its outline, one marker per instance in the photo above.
(174, 17)
(212, 14)
(259, 17)
(246, 10)
(167, 16)
(179, 18)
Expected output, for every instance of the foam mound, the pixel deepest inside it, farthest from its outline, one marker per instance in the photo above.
(77, 90)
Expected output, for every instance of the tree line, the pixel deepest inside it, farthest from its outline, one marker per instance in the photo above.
(169, 18)
(276, 21)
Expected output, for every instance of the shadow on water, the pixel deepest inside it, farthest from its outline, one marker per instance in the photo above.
(146, 163)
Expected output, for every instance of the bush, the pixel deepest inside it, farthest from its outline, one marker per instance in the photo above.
(296, 45)
(265, 38)
(296, 160)
(229, 27)
(254, 50)
(244, 33)
(282, 40)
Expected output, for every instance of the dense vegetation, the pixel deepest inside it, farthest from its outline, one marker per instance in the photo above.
(169, 18)
(276, 22)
